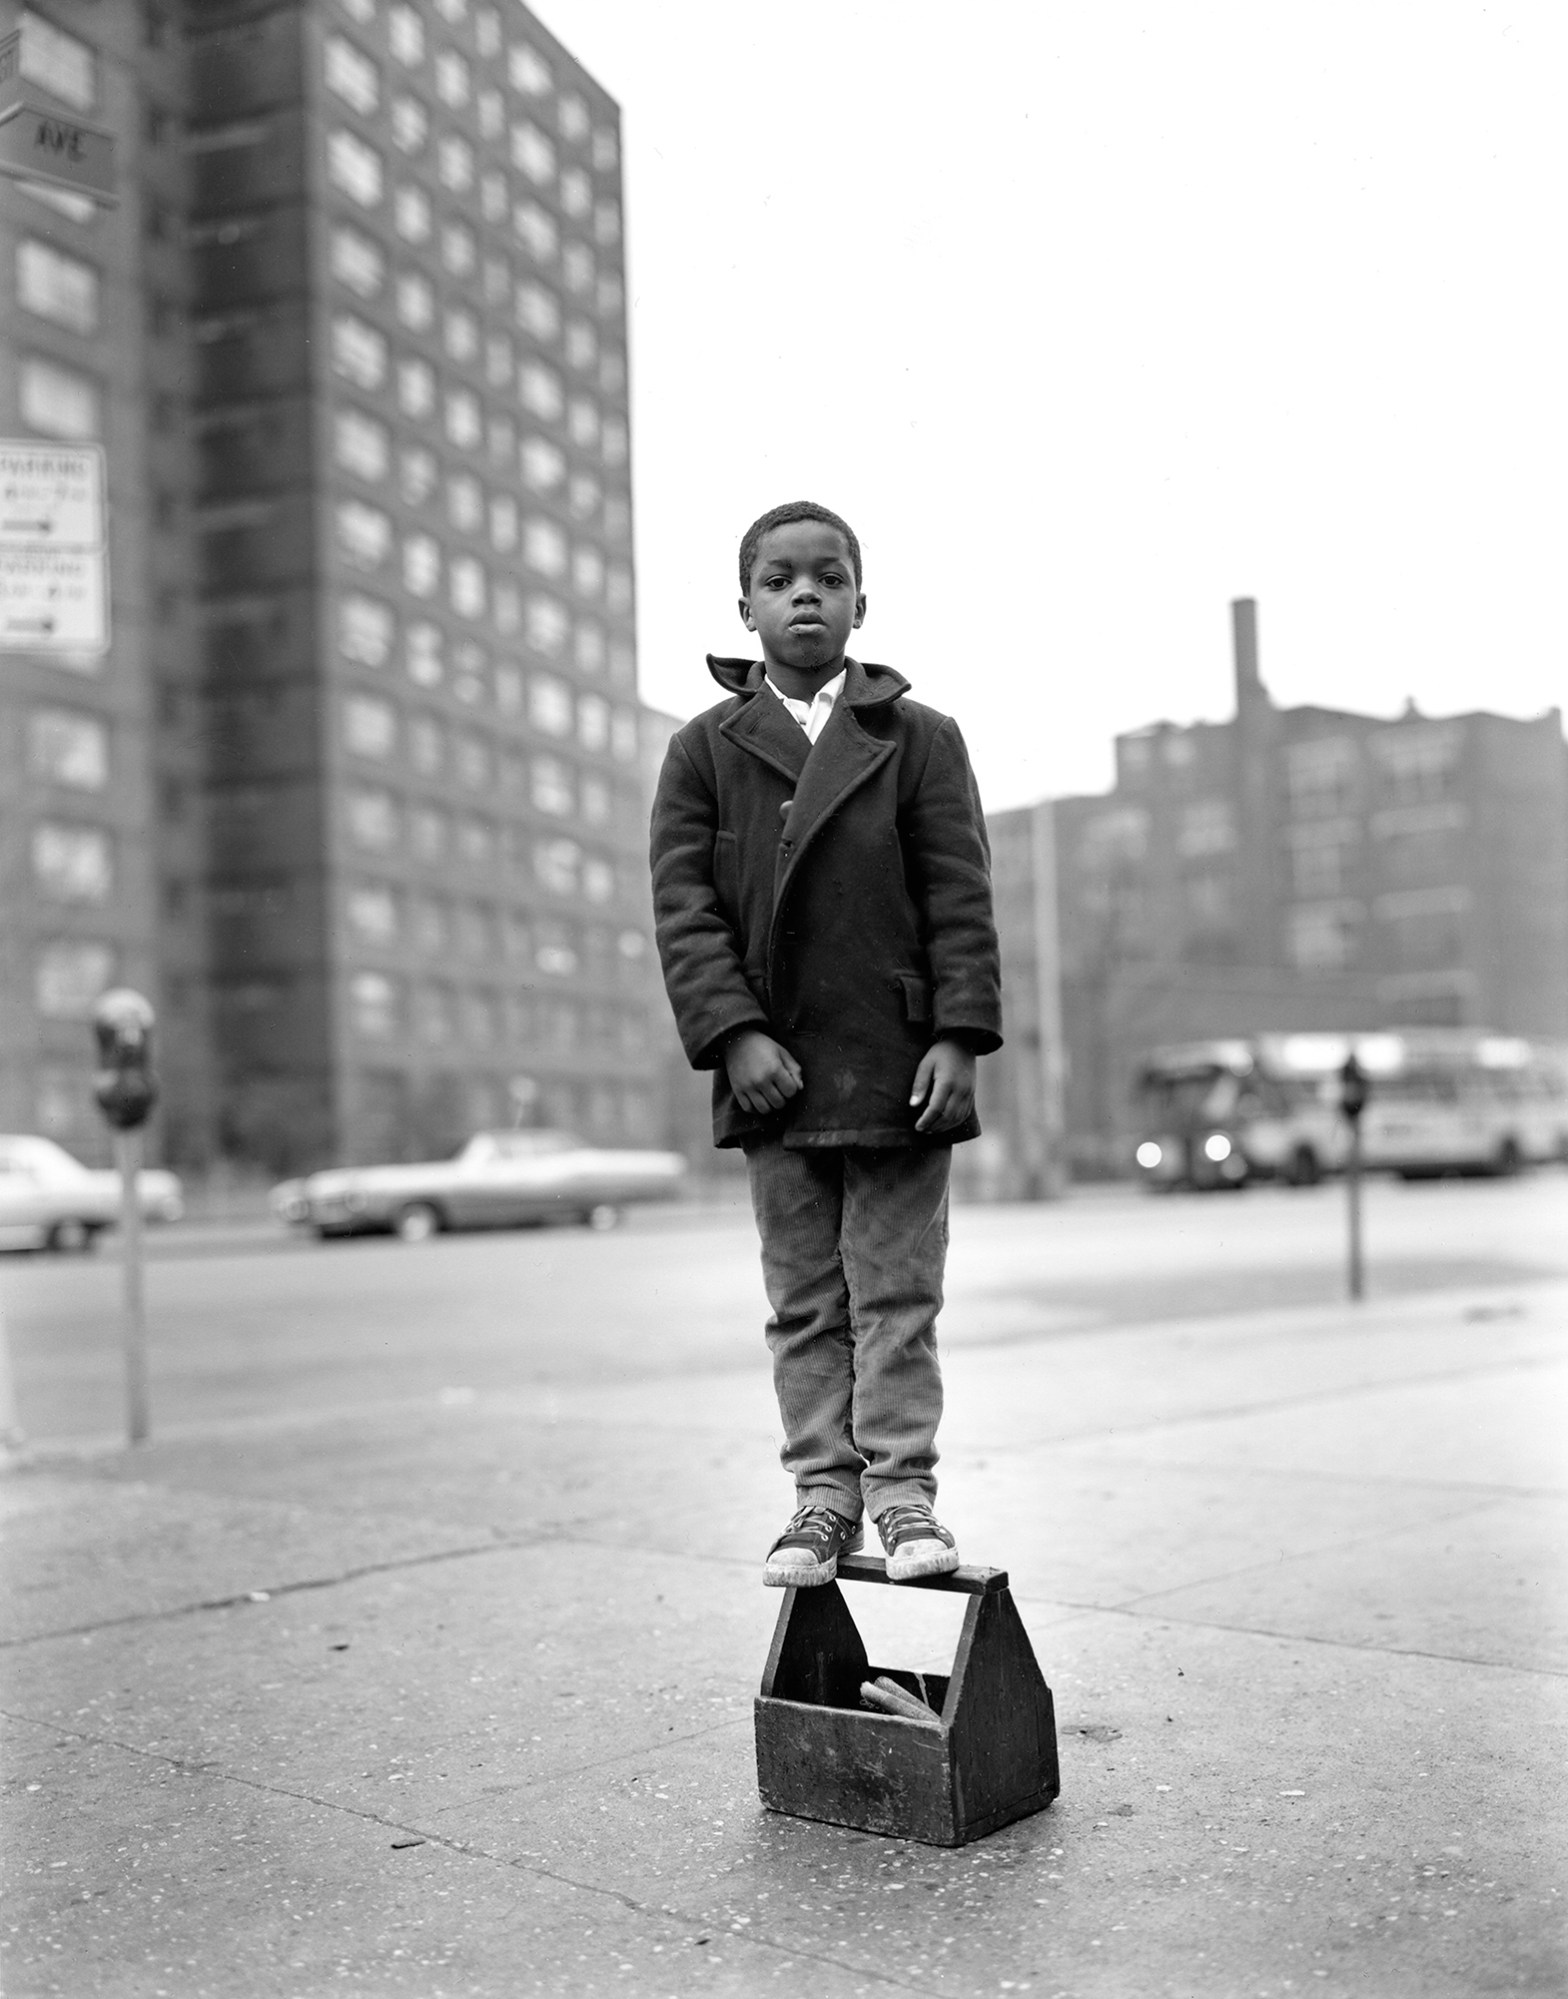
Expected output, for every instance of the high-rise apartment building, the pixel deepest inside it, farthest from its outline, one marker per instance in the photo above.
(396, 785)
(1291, 868)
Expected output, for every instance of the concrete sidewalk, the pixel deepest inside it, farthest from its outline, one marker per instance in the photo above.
(453, 1696)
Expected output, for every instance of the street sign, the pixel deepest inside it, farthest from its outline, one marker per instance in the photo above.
(37, 144)
(54, 566)
(10, 73)
(51, 495)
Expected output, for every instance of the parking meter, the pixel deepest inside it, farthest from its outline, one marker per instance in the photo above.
(1355, 1086)
(123, 1082)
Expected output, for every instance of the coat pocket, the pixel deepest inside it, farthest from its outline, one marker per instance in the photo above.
(917, 997)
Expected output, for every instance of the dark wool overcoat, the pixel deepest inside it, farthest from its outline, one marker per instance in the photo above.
(835, 894)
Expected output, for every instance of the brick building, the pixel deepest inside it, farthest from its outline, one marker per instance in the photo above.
(1290, 868)
(386, 737)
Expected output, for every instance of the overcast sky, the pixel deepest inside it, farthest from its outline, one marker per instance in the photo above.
(1091, 317)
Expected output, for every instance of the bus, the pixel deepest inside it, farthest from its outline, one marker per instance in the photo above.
(1218, 1114)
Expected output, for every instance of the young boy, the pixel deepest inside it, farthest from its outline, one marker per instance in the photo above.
(823, 902)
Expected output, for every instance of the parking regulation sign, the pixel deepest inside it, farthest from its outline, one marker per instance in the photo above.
(54, 565)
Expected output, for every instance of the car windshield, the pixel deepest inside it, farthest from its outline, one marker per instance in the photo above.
(529, 1144)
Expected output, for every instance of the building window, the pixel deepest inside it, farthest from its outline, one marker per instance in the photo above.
(468, 586)
(501, 440)
(431, 933)
(427, 745)
(500, 362)
(576, 193)
(453, 82)
(359, 352)
(572, 117)
(508, 603)
(416, 387)
(414, 300)
(464, 426)
(593, 722)
(361, 445)
(1425, 926)
(598, 881)
(527, 71)
(487, 31)
(587, 572)
(459, 249)
(465, 503)
(354, 260)
(623, 663)
(372, 818)
(1322, 936)
(542, 464)
(1114, 839)
(373, 1005)
(556, 863)
(350, 75)
(606, 150)
(354, 168)
(503, 525)
(623, 735)
(588, 648)
(550, 787)
(582, 421)
(57, 401)
(1207, 826)
(411, 214)
(532, 153)
(455, 163)
(577, 267)
(548, 625)
(364, 534)
(73, 863)
(421, 564)
(582, 344)
(430, 831)
(424, 655)
(544, 545)
(614, 446)
(583, 496)
(433, 1015)
(365, 630)
(509, 690)
(550, 706)
(476, 841)
(56, 287)
(610, 296)
(535, 229)
(1320, 776)
(406, 36)
(1322, 853)
(410, 125)
(372, 916)
(596, 801)
(473, 763)
(491, 113)
(69, 975)
(537, 310)
(58, 62)
(67, 748)
(1416, 761)
(369, 726)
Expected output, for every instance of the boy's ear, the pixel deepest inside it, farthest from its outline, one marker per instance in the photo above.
(860, 610)
(745, 615)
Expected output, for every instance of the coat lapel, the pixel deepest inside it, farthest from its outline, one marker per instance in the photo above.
(841, 760)
(766, 730)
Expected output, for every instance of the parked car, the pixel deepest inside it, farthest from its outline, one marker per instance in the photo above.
(48, 1200)
(500, 1179)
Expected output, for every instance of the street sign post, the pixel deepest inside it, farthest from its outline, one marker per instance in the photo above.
(126, 1090)
(1354, 1088)
(54, 565)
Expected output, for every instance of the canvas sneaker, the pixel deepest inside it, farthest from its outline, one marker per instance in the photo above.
(807, 1552)
(916, 1542)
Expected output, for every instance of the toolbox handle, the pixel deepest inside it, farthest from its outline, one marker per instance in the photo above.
(963, 1581)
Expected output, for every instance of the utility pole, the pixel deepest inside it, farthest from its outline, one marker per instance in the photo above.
(1048, 1001)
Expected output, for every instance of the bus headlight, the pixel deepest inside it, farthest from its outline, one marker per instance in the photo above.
(1148, 1155)
(1216, 1147)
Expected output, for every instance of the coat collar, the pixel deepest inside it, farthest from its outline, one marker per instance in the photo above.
(865, 686)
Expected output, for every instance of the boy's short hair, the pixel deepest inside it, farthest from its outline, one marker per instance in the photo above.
(777, 517)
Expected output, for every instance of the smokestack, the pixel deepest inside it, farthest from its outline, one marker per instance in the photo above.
(1244, 633)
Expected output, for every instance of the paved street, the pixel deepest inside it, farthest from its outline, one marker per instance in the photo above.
(415, 1655)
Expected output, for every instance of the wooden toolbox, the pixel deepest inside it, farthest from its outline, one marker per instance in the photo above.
(986, 1757)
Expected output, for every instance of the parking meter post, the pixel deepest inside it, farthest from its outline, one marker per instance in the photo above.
(1354, 1089)
(127, 1155)
(126, 1090)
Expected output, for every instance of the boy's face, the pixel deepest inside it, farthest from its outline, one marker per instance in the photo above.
(803, 602)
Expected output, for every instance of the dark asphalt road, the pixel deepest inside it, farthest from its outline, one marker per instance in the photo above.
(255, 1325)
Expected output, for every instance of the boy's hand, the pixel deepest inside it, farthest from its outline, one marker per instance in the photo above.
(945, 1084)
(763, 1075)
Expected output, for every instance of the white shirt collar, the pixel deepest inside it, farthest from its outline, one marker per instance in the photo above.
(812, 715)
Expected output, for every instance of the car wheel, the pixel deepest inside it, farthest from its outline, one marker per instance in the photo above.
(604, 1216)
(1509, 1159)
(418, 1222)
(71, 1237)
